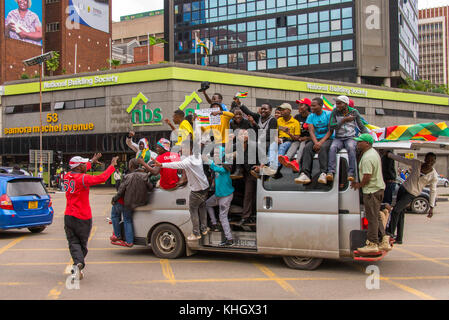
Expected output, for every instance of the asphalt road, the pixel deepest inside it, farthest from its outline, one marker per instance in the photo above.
(35, 266)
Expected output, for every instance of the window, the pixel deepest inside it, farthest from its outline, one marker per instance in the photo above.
(52, 27)
(282, 52)
(69, 105)
(59, 106)
(88, 103)
(51, 1)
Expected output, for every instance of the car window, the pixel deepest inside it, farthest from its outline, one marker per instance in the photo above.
(21, 187)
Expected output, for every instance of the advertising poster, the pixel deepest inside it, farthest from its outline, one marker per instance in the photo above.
(91, 13)
(23, 20)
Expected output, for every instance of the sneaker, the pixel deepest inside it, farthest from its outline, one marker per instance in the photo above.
(284, 160)
(113, 238)
(267, 171)
(77, 273)
(215, 228)
(129, 245)
(351, 178)
(205, 231)
(294, 165)
(370, 247)
(322, 179)
(385, 244)
(227, 243)
(330, 177)
(193, 237)
(302, 179)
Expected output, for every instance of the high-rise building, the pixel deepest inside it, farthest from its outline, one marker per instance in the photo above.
(362, 41)
(80, 30)
(434, 44)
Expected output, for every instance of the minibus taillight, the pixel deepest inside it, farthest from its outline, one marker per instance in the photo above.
(6, 203)
(364, 224)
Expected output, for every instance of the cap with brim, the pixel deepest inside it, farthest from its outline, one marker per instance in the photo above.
(164, 144)
(76, 161)
(365, 137)
(304, 101)
(286, 106)
(343, 99)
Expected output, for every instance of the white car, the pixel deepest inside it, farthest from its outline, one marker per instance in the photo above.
(443, 182)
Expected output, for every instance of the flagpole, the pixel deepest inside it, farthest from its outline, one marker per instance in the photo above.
(196, 49)
(148, 37)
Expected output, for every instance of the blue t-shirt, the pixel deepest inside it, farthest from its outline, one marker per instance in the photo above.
(320, 123)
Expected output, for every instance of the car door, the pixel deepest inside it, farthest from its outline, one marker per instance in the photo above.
(298, 220)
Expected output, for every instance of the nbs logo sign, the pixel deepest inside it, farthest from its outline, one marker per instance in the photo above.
(144, 116)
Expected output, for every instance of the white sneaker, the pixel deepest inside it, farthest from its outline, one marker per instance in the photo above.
(370, 247)
(322, 179)
(205, 232)
(267, 171)
(385, 244)
(302, 179)
(193, 237)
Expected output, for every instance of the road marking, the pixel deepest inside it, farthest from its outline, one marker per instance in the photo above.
(56, 291)
(63, 249)
(270, 274)
(435, 240)
(275, 279)
(93, 262)
(408, 289)
(424, 246)
(11, 284)
(421, 257)
(167, 271)
(11, 244)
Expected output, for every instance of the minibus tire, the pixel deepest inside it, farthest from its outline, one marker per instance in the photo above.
(302, 263)
(167, 235)
(37, 229)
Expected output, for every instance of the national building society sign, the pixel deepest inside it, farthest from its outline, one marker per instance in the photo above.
(81, 82)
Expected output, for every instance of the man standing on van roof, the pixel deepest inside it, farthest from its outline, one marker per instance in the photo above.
(373, 186)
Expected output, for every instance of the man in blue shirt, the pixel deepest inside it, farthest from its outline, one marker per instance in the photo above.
(320, 134)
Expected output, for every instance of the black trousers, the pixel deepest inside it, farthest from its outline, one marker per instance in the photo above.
(77, 232)
(403, 199)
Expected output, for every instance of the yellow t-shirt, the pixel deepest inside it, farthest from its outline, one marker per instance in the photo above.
(292, 124)
(185, 128)
(219, 131)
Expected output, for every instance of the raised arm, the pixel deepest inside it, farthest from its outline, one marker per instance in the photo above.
(408, 162)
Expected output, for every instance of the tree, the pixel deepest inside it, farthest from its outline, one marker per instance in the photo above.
(115, 63)
(425, 86)
(153, 40)
(53, 63)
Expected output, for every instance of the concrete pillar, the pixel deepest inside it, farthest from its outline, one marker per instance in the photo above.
(387, 82)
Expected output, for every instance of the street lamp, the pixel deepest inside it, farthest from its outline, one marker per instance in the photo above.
(39, 60)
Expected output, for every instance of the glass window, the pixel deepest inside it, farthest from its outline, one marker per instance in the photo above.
(282, 52)
(232, 57)
(251, 55)
(302, 29)
(335, 14)
(187, 7)
(347, 23)
(100, 102)
(222, 11)
(261, 35)
(348, 55)
(336, 45)
(293, 61)
(313, 48)
(325, 58)
(251, 26)
(282, 32)
(195, 6)
(313, 28)
(241, 8)
(89, 103)
(347, 45)
(302, 18)
(324, 15)
(291, 20)
(313, 17)
(222, 2)
(271, 23)
(282, 63)
(187, 16)
(223, 59)
(271, 53)
(272, 64)
(251, 36)
(251, 7)
(324, 26)
(213, 13)
(292, 51)
(232, 10)
(261, 24)
(271, 4)
(262, 65)
(303, 60)
(271, 33)
(336, 57)
(212, 3)
(261, 55)
(303, 49)
(69, 105)
(242, 27)
(336, 25)
(314, 59)
(324, 47)
(281, 3)
(346, 12)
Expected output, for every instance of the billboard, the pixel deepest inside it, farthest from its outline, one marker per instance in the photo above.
(91, 13)
(23, 20)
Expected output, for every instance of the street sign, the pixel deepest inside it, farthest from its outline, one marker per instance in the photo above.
(47, 156)
(39, 59)
(410, 155)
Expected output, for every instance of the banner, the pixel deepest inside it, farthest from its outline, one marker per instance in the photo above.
(23, 20)
(91, 13)
(205, 119)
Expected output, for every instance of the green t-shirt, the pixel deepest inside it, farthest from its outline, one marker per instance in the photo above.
(370, 163)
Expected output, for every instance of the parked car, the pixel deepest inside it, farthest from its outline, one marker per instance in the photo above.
(8, 170)
(443, 182)
(420, 204)
(24, 203)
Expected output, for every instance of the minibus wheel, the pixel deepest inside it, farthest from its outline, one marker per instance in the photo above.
(37, 229)
(302, 263)
(167, 242)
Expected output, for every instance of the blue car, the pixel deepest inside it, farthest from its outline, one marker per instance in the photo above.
(24, 203)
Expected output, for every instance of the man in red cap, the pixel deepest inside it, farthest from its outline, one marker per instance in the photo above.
(298, 146)
(78, 214)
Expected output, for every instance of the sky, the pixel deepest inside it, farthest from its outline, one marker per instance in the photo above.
(126, 7)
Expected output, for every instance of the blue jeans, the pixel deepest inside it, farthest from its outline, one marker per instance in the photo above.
(281, 151)
(337, 144)
(116, 213)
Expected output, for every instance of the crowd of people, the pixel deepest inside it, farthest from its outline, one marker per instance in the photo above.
(282, 140)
